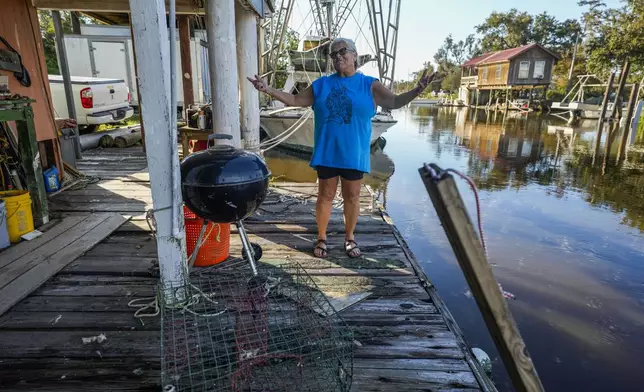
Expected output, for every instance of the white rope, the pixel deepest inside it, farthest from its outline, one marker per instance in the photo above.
(282, 137)
(144, 305)
(302, 120)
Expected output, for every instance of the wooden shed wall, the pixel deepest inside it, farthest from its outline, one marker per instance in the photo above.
(492, 80)
(19, 26)
(533, 55)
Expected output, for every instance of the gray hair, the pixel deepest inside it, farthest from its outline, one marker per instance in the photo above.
(349, 44)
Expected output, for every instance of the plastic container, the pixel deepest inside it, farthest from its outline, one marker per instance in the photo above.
(216, 242)
(4, 233)
(20, 218)
(51, 179)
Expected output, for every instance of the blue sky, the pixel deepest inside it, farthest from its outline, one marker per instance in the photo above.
(424, 24)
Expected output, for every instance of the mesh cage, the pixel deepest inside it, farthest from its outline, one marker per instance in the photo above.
(235, 332)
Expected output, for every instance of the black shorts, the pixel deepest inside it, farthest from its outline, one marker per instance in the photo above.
(325, 173)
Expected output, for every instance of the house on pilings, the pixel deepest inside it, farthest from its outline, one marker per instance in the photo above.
(524, 72)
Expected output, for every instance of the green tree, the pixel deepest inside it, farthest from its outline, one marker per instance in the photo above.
(48, 33)
(503, 30)
(452, 79)
(450, 56)
(614, 35)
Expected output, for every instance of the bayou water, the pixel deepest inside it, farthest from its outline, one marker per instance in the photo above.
(566, 237)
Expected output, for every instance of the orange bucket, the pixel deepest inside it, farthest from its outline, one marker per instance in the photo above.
(216, 242)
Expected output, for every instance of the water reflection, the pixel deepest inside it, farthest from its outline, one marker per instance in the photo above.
(516, 150)
(564, 236)
(289, 165)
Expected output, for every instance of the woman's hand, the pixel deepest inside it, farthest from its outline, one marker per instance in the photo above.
(259, 84)
(303, 99)
(425, 81)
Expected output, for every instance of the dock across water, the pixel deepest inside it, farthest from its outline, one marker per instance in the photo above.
(405, 337)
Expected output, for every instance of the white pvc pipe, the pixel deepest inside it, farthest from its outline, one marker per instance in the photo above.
(222, 66)
(173, 108)
(150, 38)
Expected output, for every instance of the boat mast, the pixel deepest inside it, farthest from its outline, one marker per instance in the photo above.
(273, 42)
(329, 29)
(385, 37)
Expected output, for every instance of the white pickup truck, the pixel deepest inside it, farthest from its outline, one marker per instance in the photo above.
(97, 100)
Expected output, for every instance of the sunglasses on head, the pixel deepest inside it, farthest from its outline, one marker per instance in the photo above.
(340, 52)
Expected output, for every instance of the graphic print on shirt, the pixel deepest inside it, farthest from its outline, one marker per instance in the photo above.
(339, 106)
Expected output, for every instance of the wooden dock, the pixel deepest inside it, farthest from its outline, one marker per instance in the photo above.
(406, 339)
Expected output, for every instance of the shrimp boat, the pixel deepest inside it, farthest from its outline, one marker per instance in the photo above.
(293, 127)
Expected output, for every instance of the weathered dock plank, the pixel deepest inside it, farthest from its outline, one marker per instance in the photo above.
(405, 338)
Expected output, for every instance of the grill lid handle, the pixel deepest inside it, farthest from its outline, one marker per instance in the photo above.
(220, 148)
(220, 136)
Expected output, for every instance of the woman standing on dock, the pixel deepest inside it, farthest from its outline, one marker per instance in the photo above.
(343, 105)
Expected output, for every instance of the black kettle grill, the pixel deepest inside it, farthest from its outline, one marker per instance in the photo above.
(223, 184)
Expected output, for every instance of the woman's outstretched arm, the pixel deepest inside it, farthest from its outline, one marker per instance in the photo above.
(303, 99)
(388, 100)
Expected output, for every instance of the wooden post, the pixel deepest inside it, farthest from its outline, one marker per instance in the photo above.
(489, 98)
(616, 113)
(186, 63)
(30, 159)
(247, 63)
(602, 114)
(261, 46)
(639, 109)
(149, 27)
(67, 82)
(220, 27)
(75, 23)
(621, 152)
(530, 97)
(471, 257)
(620, 88)
(507, 98)
(136, 81)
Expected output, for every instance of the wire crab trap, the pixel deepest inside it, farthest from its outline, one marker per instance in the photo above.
(242, 332)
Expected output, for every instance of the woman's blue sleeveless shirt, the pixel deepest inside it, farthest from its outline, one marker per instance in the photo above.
(343, 108)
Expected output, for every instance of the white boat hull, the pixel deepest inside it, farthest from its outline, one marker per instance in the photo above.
(303, 138)
(422, 101)
(585, 110)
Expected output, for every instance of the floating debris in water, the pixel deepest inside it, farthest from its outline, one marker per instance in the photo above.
(483, 359)
(507, 294)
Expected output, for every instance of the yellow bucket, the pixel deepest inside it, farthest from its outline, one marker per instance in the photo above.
(20, 219)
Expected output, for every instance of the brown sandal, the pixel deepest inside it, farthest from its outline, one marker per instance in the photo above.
(352, 252)
(324, 252)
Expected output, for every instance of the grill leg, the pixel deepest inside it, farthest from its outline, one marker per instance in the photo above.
(247, 247)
